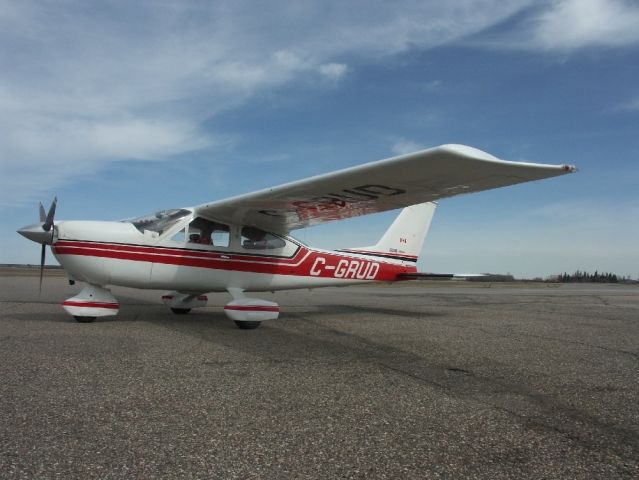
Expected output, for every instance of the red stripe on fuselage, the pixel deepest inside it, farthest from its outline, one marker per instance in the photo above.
(181, 252)
(303, 263)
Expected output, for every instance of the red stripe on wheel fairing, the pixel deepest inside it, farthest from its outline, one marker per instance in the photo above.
(112, 306)
(252, 308)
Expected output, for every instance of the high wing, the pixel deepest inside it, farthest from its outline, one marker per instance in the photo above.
(389, 184)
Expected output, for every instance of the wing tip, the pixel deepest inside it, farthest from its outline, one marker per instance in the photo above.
(478, 154)
(569, 168)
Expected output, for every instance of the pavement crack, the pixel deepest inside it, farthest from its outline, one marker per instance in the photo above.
(414, 376)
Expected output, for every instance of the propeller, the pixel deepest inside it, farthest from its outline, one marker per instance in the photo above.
(43, 255)
(42, 233)
(47, 224)
(48, 221)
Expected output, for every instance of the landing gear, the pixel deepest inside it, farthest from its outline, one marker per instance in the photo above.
(180, 311)
(182, 303)
(247, 325)
(81, 319)
(93, 301)
(248, 313)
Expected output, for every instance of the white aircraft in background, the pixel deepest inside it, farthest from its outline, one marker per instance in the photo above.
(242, 244)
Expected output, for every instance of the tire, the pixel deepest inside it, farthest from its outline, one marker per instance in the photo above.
(80, 319)
(180, 311)
(247, 325)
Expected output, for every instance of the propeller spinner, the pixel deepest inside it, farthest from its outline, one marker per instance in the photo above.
(42, 233)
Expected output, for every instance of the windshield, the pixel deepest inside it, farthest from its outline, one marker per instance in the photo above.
(160, 221)
(297, 240)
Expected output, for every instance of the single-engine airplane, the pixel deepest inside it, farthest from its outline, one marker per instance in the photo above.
(243, 244)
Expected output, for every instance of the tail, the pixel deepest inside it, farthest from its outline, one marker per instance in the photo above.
(404, 239)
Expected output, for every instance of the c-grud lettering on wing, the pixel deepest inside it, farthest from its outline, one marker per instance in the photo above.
(333, 201)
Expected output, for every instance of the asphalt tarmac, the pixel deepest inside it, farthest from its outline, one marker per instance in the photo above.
(440, 380)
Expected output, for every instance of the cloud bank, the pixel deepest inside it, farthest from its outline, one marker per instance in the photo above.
(86, 85)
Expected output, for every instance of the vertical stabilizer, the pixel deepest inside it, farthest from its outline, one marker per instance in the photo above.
(405, 237)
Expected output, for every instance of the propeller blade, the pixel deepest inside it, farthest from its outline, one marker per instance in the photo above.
(43, 215)
(48, 222)
(43, 255)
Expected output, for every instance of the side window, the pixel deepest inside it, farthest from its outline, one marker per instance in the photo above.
(206, 232)
(221, 237)
(180, 236)
(256, 239)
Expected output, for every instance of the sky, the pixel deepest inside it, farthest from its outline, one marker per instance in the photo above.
(123, 108)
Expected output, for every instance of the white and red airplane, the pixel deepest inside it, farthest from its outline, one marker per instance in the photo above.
(242, 244)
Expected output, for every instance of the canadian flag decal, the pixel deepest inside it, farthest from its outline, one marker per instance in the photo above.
(402, 240)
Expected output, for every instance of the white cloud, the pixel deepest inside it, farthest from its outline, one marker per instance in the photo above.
(432, 85)
(571, 24)
(295, 62)
(332, 71)
(632, 105)
(290, 60)
(563, 26)
(402, 146)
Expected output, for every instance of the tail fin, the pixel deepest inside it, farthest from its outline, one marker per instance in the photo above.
(405, 237)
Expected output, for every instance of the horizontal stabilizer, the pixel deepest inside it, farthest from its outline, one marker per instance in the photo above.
(426, 275)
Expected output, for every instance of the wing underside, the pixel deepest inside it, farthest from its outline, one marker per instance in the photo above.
(389, 184)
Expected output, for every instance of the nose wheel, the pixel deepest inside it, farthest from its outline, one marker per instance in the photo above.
(180, 311)
(92, 302)
(247, 325)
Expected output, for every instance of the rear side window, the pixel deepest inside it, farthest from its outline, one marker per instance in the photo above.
(256, 239)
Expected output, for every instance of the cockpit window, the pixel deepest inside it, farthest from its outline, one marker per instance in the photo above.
(160, 221)
(208, 232)
(256, 239)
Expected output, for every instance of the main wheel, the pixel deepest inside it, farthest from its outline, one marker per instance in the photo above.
(84, 319)
(247, 325)
(180, 311)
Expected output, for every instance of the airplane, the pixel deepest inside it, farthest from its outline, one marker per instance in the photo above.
(243, 244)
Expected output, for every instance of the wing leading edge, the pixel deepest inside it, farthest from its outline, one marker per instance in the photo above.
(379, 186)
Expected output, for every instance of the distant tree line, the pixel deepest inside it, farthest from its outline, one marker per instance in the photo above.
(585, 277)
(493, 277)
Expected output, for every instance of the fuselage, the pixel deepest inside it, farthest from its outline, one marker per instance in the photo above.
(233, 257)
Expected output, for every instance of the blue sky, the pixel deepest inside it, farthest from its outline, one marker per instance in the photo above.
(124, 108)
